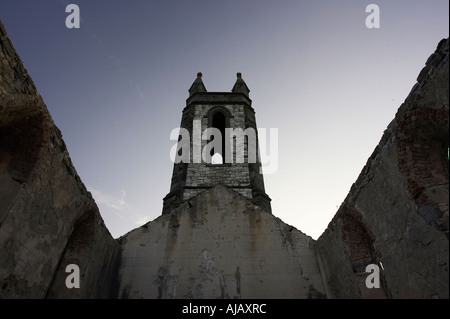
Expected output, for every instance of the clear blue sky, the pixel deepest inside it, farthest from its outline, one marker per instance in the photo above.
(116, 88)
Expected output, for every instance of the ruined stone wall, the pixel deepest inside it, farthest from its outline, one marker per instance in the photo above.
(396, 213)
(47, 217)
(218, 245)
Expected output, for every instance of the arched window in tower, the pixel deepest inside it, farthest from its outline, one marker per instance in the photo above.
(216, 159)
(218, 121)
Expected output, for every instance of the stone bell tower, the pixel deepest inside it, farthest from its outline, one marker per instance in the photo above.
(217, 125)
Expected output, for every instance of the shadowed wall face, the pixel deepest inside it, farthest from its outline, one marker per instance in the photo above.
(47, 217)
(396, 214)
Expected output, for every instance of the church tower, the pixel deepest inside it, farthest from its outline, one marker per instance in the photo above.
(218, 144)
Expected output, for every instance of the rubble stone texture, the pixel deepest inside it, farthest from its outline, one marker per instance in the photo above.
(216, 241)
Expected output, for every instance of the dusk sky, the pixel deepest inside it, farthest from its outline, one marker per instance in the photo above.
(116, 88)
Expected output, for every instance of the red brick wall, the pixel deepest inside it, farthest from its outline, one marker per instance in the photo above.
(422, 141)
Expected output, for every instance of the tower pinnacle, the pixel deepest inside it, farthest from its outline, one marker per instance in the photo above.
(198, 85)
(240, 86)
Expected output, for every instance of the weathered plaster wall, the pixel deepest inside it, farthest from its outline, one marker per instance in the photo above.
(218, 245)
(43, 203)
(397, 211)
